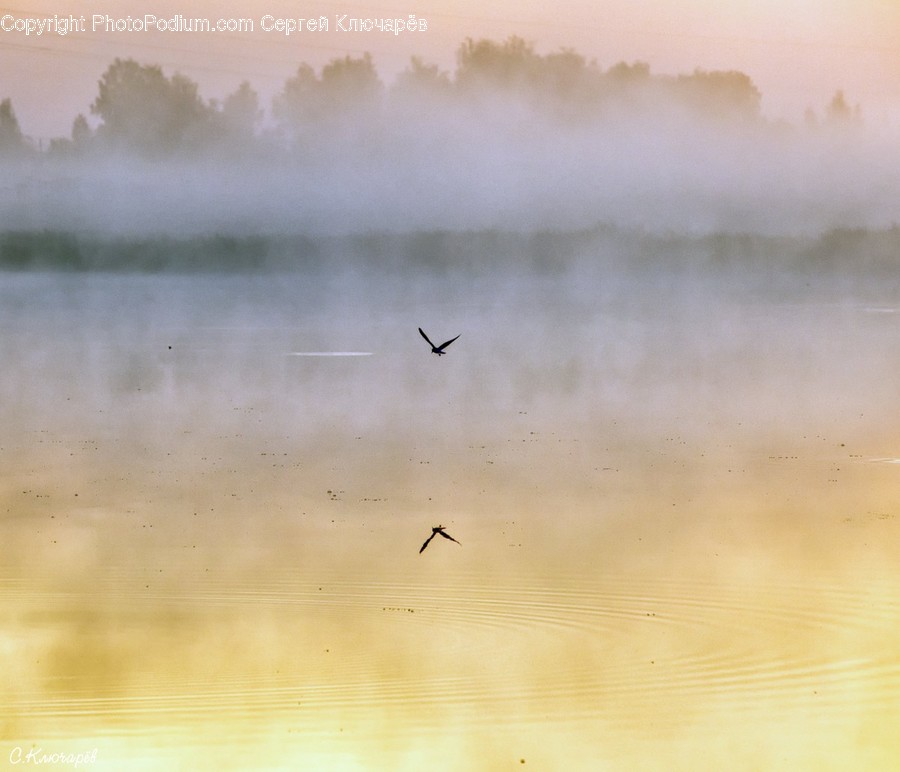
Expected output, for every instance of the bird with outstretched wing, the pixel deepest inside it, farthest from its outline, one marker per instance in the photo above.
(439, 529)
(439, 350)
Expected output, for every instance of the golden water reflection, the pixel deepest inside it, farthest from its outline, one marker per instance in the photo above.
(214, 578)
(381, 674)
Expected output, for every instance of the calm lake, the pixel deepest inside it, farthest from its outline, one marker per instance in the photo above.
(675, 488)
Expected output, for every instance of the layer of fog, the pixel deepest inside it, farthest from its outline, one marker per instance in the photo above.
(514, 141)
(523, 176)
(655, 329)
(603, 395)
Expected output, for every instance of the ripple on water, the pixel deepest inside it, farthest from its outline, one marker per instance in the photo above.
(614, 648)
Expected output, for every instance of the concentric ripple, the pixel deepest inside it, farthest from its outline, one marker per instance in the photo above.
(611, 648)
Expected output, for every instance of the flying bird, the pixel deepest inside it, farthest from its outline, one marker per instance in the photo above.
(434, 532)
(436, 349)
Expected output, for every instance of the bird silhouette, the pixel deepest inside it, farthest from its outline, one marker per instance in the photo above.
(439, 350)
(439, 529)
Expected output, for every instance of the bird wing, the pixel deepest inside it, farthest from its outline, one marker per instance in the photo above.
(447, 536)
(428, 539)
(444, 345)
(422, 333)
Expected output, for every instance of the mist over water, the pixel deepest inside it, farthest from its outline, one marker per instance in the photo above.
(668, 481)
(665, 440)
(512, 140)
(684, 176)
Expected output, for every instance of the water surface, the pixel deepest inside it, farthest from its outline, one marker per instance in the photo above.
(675, 496)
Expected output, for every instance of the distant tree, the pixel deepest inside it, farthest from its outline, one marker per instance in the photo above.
(631, 87)
(81, 131)
(297, 104)
(560, 85)
(144, 111)
(837, 117)
(12, 143)
(345, 97)
(624, 73)
(419, 103)
(564, 75)
(485, 63)
(351, 84)
(422, 80)
(417, 96)
(81, 139)
(838, 113)
(241, 115)
(727, 95)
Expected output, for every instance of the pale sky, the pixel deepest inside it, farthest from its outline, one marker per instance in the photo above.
(798, 52)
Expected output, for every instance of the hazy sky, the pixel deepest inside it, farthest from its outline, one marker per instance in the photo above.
(798, 52)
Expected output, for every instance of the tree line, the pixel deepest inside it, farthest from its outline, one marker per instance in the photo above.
(139, 110)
